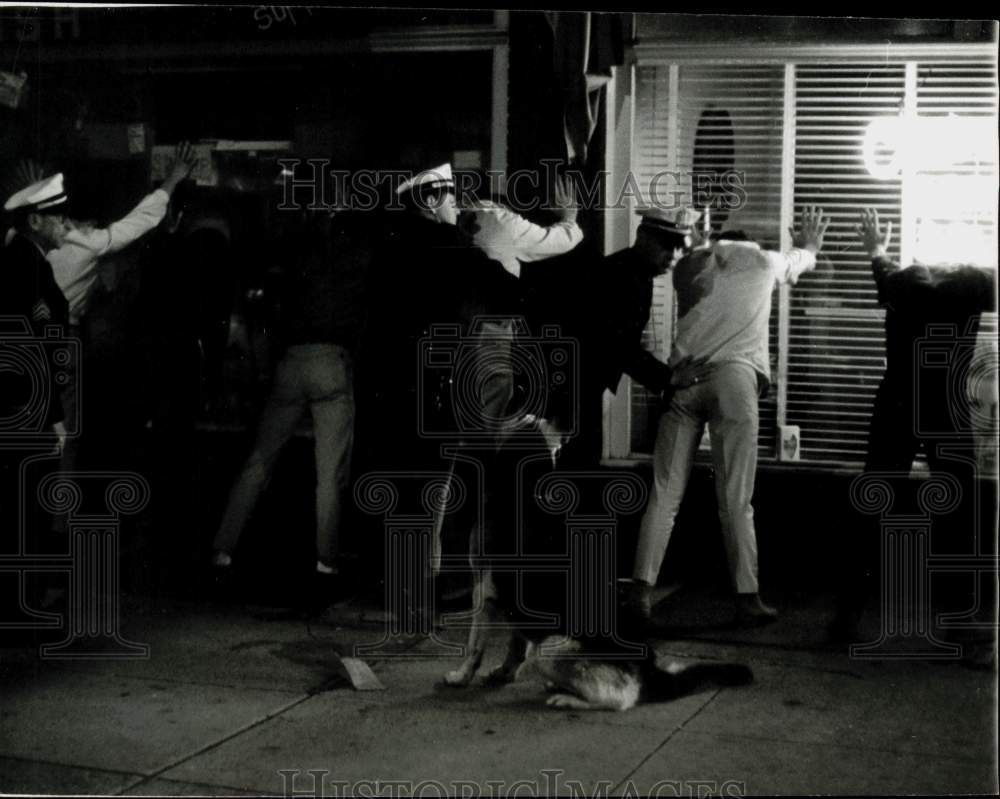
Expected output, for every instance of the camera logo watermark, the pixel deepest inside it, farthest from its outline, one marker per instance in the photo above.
(90, 566)
(582, 509)
(32, 370)
(482, 385)
(955, 384)
(907, 564)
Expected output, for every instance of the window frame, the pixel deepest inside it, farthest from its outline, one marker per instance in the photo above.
(620, 225)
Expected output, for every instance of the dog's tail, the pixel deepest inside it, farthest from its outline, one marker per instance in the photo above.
(661, 685)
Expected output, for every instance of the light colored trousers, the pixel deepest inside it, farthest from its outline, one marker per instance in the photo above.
(727, 403)
(317, 377)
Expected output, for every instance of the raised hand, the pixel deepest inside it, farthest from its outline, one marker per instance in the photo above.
(874, 239)
(184, 161)
(812, 227)
(564, 198)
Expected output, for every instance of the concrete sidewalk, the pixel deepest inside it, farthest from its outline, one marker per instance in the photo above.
(230, 698)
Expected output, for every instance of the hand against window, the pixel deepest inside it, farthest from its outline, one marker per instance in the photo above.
(812, 227)
(184, 161)
(873, 238)
(564, 199)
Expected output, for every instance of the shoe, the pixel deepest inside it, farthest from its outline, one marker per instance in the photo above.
(751, 612)
(636, 598)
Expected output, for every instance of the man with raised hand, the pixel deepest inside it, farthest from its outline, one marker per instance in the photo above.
(74, 264)
(724, 304)
(932, 316)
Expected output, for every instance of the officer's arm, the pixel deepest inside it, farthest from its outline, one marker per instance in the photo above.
(641, 365)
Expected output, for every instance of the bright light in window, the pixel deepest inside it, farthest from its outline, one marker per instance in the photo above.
(892, 144)
(954, 218)
(949, 165)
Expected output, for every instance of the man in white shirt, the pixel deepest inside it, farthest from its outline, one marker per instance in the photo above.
(74, 264)
(724, 303)
(511, 240)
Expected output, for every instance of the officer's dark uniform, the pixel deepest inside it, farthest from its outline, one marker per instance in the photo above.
(31, 301)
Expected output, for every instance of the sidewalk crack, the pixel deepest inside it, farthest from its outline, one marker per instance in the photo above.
(214, 745)
(627, 778)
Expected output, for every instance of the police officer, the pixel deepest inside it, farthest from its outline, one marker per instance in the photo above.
(28, 290)
(30, 303)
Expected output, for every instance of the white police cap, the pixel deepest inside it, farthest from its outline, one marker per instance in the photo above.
(439, 177)
(38, 197)
(681, 220)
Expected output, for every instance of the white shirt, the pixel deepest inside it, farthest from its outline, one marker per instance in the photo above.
(75, 263)
(724, 301)
(511, 239)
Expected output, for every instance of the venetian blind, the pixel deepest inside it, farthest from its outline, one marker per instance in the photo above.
(723, 144)
(833, 357)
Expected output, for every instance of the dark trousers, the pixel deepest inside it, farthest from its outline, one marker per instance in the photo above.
(904, 423)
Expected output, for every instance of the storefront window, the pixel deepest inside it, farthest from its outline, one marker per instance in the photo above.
(914, 137)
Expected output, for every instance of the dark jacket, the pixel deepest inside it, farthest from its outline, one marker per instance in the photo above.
(324, 291)
(621, 298)
(28, 291)
(424, 274)
(915, 299)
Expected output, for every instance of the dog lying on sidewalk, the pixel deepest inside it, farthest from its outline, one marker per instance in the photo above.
(580, 677)
(610, 671)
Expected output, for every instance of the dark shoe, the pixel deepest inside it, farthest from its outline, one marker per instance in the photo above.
(751, 612)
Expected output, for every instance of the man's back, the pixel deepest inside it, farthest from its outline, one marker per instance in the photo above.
(920, 297)
(324, 288)
(724, 303)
